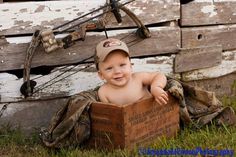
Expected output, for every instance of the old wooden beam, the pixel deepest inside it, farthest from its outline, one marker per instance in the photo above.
(208, 13)
(227, 66)
(69, 80)
(197, 58)
(224, 35)
(163, 40)
(25, 17)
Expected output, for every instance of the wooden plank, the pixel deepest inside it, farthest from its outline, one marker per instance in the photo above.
(224, 35)
(197, 58)
(208, 13)
(19, 15)
(75, 80)
(30, 116)
(163, 40)
(227, 66)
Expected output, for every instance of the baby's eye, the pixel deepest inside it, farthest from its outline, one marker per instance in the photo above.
(122, 64)
(108, 69)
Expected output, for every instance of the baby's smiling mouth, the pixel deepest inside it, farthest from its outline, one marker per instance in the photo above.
(118, 78)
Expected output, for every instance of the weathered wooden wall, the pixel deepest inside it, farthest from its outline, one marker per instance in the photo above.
(20, 23)
(201, 50)
(207, 24)
(25, 17)
(208, 12)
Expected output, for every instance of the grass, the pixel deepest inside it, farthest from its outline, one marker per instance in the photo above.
(13, 143)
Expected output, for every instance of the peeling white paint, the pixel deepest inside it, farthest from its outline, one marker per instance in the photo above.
(7, 76)
(51, 11)
(165, 65)
(209, 9)
(27, 16)
(229, 55)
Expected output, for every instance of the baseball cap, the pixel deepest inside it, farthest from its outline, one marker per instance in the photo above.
(107, 46)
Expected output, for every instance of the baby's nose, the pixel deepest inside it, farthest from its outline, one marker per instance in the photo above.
(117, 69)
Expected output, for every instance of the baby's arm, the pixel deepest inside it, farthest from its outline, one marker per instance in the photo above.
(157, 82)
(102, 95)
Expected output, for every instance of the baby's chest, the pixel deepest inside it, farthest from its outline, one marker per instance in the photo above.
(130, 95)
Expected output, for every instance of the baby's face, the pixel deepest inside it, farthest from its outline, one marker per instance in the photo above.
(116, 69)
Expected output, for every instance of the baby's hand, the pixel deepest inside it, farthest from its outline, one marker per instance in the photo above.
(160, 95)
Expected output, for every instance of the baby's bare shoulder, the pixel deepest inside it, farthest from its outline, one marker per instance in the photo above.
(102, 88)
(102, 93)
(141, 75)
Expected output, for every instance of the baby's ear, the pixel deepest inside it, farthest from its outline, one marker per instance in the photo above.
(100, 75)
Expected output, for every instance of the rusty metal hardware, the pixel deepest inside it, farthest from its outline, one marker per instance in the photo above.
(49, 41)
(28, 85)
(115, 10)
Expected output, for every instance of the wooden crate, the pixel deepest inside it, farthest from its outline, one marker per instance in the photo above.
(124, 126)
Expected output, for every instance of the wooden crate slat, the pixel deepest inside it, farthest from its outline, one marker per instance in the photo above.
(107, 125)
(146, 122)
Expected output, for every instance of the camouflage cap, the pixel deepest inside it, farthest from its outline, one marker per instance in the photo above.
(107, 46)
